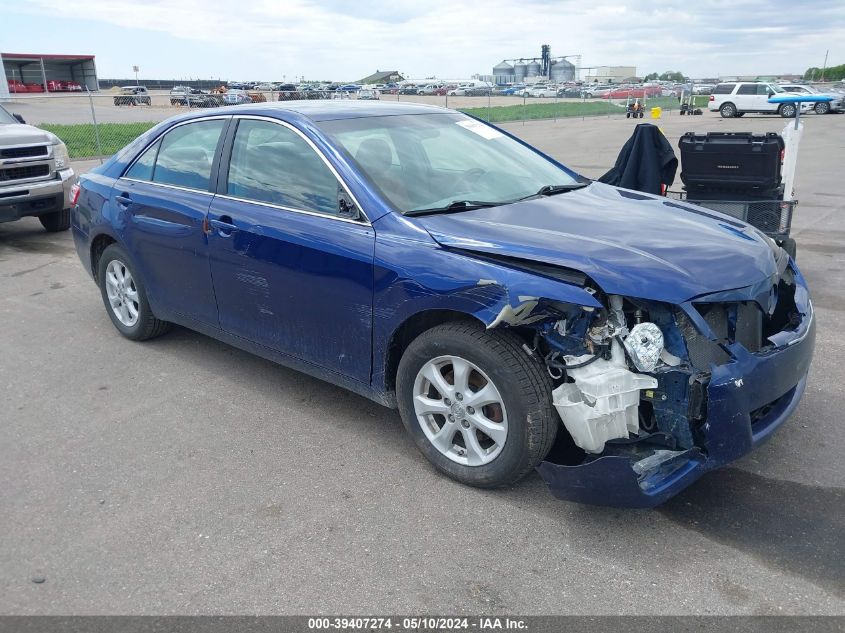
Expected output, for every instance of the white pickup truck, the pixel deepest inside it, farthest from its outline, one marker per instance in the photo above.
(35, 174)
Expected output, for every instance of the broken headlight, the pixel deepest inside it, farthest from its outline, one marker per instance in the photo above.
(644, 345)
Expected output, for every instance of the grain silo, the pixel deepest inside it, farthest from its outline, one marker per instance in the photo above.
(562, 71)
(503, 73)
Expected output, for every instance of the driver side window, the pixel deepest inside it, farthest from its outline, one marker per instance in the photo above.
(271, 163)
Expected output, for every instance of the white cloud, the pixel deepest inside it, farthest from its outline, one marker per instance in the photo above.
(343, 40)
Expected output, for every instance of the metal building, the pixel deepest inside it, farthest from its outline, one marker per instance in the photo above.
(27, 71)
(610, 74)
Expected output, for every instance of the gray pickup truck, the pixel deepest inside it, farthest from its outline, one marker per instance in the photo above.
(35, 174)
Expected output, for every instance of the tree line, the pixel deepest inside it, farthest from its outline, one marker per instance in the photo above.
(831, 73)
(669, 75)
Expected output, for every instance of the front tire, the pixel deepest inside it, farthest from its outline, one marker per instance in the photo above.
(822, 107)
(728, 110)
(125, 297)
(787, 110)
(477, 405)
(56, 221)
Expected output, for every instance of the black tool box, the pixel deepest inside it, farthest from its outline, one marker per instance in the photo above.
(736, 194)
(731, 162)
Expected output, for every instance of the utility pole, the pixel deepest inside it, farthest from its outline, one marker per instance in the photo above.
(136, 69)
(824, 67)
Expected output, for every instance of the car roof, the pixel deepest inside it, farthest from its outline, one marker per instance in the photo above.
(326, 109)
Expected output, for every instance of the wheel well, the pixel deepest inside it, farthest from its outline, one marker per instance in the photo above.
(411, 329)
(100, 243)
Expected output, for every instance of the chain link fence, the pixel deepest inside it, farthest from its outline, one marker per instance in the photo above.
(95, 125)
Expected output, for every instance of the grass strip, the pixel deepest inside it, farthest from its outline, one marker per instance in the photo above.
(81, 139)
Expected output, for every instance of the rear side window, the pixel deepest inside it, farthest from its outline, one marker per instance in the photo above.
(271, 163)
(724, 89)
(143, 167)
(187, 153)
(747, 89)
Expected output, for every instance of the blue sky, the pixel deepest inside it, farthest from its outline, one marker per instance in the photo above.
(334, 39)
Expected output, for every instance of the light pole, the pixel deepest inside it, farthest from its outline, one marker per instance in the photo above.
(136, 69)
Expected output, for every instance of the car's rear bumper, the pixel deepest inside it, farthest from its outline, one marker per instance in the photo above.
(36, 198)
(749, 397)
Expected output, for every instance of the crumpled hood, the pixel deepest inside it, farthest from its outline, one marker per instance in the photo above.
(628, 242)
(20, 134)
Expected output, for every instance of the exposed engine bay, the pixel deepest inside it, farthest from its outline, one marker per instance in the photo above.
(631, 379)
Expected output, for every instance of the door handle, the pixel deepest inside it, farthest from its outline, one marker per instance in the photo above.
(225, 227)
(123, 200)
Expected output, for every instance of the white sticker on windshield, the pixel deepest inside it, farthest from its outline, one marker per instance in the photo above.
(484, 131)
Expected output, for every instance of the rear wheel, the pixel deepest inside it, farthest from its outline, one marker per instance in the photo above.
(728, 110)
(56, 221)
(822, 107)
(125, 297)
(476, 404)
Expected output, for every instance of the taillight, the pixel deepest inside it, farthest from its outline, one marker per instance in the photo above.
(712, 97)
(74, 193)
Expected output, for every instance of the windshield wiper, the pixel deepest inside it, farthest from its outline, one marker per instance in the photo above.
(455, 205)
(553, 190)
(468, 205)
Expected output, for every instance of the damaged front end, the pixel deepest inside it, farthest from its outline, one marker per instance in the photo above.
(653, 395)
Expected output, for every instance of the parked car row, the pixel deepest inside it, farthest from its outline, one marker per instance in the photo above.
(193, 97)
(53, 85)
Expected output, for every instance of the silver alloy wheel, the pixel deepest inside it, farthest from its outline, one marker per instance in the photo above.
(460, 410)
(122, 293)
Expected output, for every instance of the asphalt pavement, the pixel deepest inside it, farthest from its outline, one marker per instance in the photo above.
(183, 476)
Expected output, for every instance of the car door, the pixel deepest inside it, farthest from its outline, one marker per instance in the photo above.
(763, 91)
(745, 98)
(164, 197)
(292, 269)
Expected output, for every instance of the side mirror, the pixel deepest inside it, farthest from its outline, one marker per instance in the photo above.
(345, 207)
(771, 93)
(19, 118)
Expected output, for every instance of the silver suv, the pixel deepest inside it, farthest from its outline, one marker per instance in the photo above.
(35, 174)
(821, 107)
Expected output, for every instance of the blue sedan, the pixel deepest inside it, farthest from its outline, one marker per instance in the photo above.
(518, 315)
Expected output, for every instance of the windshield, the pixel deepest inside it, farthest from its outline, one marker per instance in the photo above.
(6, 117)
(775, 88)
(426, 161)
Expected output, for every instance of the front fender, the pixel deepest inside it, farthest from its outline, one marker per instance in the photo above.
(413, 274)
